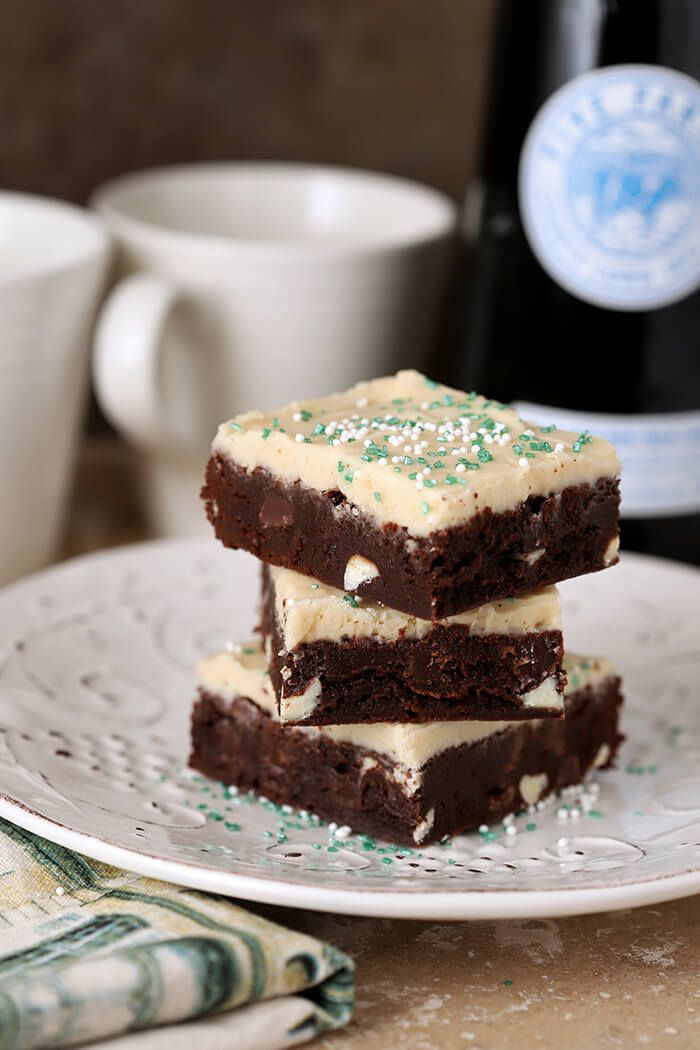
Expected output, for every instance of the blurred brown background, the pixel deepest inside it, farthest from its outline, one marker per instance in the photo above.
(93, 88)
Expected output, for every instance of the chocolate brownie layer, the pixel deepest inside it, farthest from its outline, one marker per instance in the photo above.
(542, 541)
(236, 741)
(474, 784)
(447, 673)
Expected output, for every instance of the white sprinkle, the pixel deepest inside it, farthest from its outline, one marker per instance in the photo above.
(483, 828)
(522, 462)
(476, 448)
(558, 447)
(361, 402)
(511, 830)
(60, 891)
(562, 813)
(419, 475)
(343, 832)
(563, 844)
(382, 461)
(297, 417)
(332, 827)
(460, 468)
(336, 441)
(419, 485)
(356, 472)
(367, 442)
(427, 470)
(299, 438)
(407, 448)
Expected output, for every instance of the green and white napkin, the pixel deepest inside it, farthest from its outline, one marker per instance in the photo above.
(89, 952)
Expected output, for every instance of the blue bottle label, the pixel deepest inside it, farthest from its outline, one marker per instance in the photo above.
(659, 452)
(609, 186)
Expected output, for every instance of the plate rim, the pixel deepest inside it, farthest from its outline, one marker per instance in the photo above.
(449, 905)
(454, 905)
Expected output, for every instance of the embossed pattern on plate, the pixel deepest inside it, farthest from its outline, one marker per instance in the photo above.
(96, 685)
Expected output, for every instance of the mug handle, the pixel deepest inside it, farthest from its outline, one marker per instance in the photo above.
(126, 364)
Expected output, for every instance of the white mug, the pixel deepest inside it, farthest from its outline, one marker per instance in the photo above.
(53, 266)
(245, 285)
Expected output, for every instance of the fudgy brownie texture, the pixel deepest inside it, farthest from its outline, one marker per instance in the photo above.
(448, 674)
(473, 784)
(447, 572)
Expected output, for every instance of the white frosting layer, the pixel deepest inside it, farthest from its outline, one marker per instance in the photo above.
(585, 670)
(410, 451)
(308, 611)
(408, 745)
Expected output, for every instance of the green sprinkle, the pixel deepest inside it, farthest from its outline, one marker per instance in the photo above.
(320, 428)
(387, 860)
(367, 459)
(530, 827)
(530, 455)
(450, 480)
(351, 601)
(332, 849)
(448, 400)
(378, 497)
(249, 651)
(314, 586)
(316, 845)
(425, 507)
(507, 982)
(518, 449)
(549, 429)
(430, 382)
(235, 426)
(266, 433)
(413, 476)
(484, 456)
(430, 483)
(267, 834)
(407, 461)
(397, 470)
(230, 826)
(305, 414)
(341, 466)
(595, 813)
(348, 477)
(203, 805)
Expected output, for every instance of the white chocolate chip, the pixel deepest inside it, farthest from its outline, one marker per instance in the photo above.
(358, 570)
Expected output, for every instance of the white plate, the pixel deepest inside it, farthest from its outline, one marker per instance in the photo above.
(97, 680)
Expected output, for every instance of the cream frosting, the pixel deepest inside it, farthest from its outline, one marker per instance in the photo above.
(407, 450)
(309, 611)
(409, 746)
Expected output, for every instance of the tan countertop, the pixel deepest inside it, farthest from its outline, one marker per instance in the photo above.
(619, 979)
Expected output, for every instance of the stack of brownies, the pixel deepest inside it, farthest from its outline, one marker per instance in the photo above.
(411, 680)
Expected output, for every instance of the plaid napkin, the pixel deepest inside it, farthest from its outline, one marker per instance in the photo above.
(89, 952)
